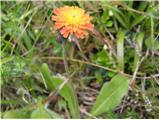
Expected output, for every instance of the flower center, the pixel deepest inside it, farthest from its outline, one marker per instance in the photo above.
(73, 18)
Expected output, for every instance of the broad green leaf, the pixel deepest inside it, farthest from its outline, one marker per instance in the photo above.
(67, 91)
(111, 94)
(17, 114)
(69, 95)
(46, 76)
(44, 113)
(120, 49)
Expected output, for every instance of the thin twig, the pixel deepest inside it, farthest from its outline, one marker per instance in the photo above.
(132, 82)
(154, 77)
(55, 92)
(64, 58)
(111, 36)
(95, 65)
(86, 113)
(135, 72)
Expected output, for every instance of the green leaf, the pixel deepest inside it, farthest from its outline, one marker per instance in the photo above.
(137, 20)
(139, 42)
(117, 13)
(17, 114)
(68, 93)
(111, 94)
(5, 60)
(142, 6)
(120, 49)
(130, 3)
(120, 19)
(105, 15)
(109, 23)
(98, 76)
(102, 58)
(46, 76)
(156, 45)
(148, 42)
(44, 113)
(27, 40)
(111, 74)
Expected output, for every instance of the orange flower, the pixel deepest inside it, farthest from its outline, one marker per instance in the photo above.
(72, 20)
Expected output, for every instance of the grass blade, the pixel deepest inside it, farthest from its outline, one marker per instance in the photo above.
(120, 49)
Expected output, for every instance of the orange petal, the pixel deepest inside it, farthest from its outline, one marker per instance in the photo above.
(56, 11)
(90, 27)
(79, 35)
(62, 31)
(66, 28)
(65, 35)
(58, 25)
(56, 18)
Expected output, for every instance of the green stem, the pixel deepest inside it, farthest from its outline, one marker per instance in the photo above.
(64, 58)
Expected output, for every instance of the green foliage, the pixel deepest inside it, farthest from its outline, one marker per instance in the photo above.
(103, 58)
(13, 67)
(28, 40)
(27, 113)
(43, 113)
(138, 51)
(120, 49)
(67, 92)
(47, 78)
(105, 19)
(18, 114)
(111, 94)
(57, 49)
(5, 60)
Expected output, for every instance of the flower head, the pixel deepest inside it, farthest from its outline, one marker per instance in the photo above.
(72, 20)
